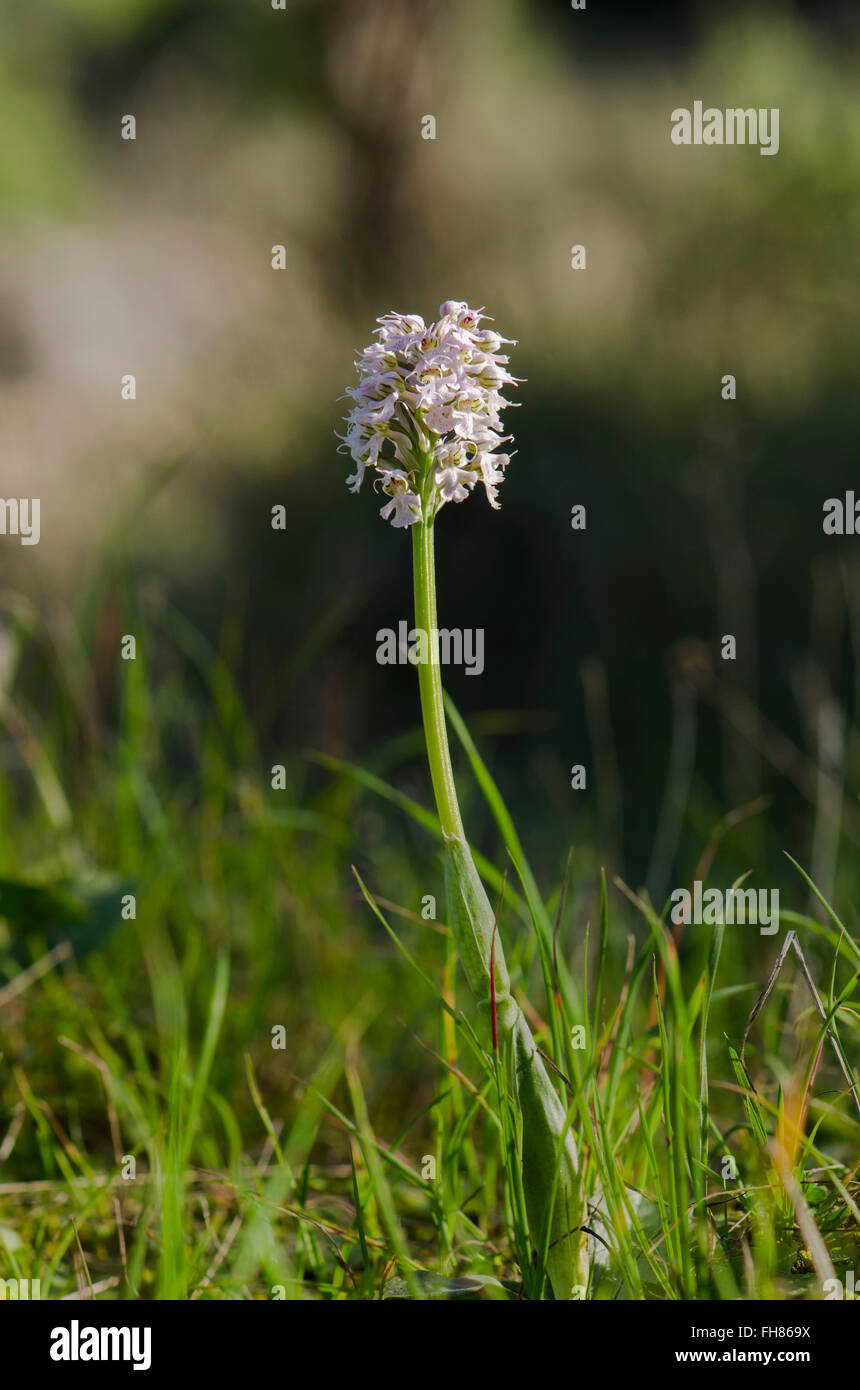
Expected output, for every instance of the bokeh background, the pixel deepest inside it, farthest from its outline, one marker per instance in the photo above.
(303, 128)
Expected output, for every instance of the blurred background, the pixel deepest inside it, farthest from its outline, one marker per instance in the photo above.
(303, 128)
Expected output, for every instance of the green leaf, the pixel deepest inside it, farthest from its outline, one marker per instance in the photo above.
(30, 907)
(85, 915)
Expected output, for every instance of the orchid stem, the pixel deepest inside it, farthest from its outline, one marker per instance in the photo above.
(430, 683)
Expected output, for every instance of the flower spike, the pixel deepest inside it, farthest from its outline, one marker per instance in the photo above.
(426, 412)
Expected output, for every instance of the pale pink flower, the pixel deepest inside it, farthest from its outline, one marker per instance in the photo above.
(428, 400)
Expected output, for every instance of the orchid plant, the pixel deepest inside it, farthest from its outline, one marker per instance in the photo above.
(425, 421)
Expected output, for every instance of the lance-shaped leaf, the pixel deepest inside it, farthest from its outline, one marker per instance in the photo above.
(473, 923)
(550, 1169)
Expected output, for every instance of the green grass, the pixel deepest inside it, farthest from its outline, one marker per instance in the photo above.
(375, 1153)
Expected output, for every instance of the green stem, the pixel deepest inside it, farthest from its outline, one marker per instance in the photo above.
(430, 682)
(549, 1159)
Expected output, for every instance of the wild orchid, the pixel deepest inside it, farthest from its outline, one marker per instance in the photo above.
(426, 415)
(426, 421)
